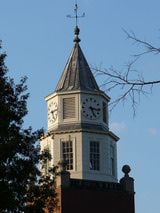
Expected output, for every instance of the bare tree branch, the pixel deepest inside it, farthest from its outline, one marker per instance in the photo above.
(128, 87)
(148, 46)
(131, 89)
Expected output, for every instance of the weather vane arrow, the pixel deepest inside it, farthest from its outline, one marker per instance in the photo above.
(76, 16)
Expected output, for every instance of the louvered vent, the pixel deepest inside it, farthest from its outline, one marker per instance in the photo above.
(69, 110)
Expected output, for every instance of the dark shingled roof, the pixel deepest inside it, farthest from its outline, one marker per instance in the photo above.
(77, 74)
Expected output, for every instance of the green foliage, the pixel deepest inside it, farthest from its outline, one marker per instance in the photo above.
(22, 187)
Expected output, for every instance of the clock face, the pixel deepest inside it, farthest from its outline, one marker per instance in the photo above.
(91, 108)
(52, 112)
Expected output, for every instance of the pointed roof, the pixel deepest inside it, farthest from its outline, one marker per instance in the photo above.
(77, 74)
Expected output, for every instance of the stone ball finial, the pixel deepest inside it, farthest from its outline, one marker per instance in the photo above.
(126, 170)
(76, 33)
(76, 30)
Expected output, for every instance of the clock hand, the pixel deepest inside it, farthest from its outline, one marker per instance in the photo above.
(53, 113)
(96, 109)
(92, 110)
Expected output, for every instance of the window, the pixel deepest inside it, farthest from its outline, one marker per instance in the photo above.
(69, 110)
(67, 149)
(94, 156)
(112, 162)
(104, 112)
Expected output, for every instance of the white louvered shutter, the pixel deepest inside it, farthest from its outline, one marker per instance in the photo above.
(69, 110)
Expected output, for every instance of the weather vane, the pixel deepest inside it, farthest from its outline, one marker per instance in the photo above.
(76, 16)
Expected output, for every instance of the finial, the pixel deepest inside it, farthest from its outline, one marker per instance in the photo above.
(76, 33)
(76, 17)
(126, 170)
(127, 182)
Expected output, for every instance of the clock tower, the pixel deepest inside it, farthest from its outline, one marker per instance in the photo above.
(78, 128)
(78, 134)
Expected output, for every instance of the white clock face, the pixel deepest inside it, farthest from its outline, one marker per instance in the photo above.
(52, 112)
(91, 108)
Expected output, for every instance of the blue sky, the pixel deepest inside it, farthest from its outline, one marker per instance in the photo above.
(38, 39)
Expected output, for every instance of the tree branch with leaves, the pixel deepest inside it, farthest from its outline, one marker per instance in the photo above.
(23, 188)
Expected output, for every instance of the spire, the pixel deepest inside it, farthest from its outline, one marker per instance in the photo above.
(77, 74)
